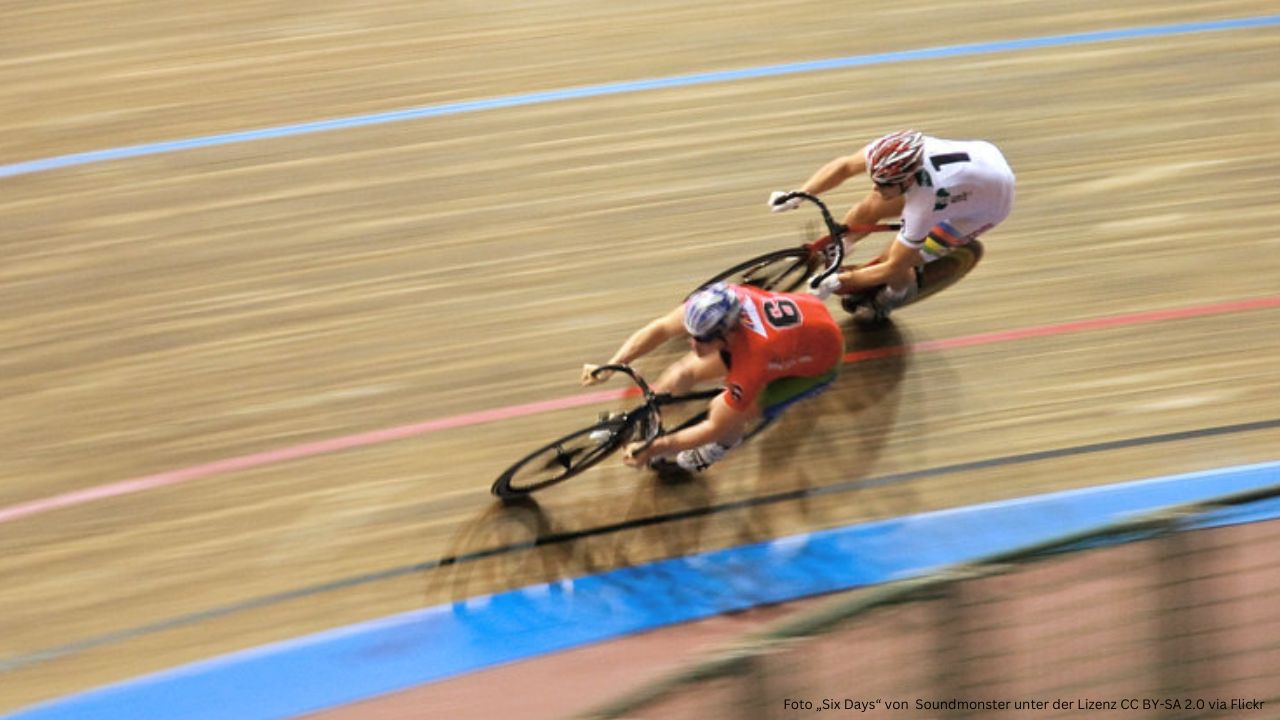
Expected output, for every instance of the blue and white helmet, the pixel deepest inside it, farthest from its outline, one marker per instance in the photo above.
(711, 310)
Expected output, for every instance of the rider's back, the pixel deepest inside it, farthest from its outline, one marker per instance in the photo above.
(961, 180)
(782, 335)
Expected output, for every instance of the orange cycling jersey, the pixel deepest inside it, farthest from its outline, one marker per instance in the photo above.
(781, 335)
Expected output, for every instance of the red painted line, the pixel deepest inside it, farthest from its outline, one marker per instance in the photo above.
(321, 447)
(1103, 323)
(271, 457)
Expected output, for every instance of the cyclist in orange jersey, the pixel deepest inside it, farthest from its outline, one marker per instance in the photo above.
(771, 349)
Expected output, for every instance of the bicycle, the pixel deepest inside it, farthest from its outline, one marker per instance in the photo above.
(785, 270)
(570, 455)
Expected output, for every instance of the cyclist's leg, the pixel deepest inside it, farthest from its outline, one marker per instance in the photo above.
(943, 239)
(702, 457)
(905, 260)
(776, 397)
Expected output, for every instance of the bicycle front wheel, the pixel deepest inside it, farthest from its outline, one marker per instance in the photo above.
(561, 459)
(779, 271)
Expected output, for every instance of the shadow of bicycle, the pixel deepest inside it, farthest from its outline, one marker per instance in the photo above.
(522, 543)
(834, 438)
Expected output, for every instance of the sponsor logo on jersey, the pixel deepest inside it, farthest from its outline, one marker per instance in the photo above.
(783, 364)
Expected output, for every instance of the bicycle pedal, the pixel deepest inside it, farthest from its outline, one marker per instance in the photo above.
(669, 471)
(853, 301)
(662, 465)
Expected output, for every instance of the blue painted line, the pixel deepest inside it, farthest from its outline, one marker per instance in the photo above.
(574, 93)
(97, 642)
(354, 663)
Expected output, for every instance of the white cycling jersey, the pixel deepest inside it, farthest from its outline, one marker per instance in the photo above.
(963, 189)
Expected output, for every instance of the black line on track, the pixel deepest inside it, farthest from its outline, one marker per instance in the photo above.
(25, 660)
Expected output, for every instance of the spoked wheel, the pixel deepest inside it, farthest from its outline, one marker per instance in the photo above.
(779, 271)
(943, 272)
(562, 459)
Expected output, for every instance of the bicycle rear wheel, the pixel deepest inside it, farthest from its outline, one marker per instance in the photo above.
(561, 459)
(779, 271)
(943, 272)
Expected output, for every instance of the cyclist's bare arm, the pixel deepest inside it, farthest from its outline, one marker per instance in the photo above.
(641, 342)
(836, 172)
(897, 263)
(724, 425)
(870, 210)
(690, 370)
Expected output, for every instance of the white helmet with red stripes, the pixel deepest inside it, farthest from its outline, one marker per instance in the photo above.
(895, 157)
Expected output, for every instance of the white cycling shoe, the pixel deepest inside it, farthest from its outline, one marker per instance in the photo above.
(877, 309)
(701, 458)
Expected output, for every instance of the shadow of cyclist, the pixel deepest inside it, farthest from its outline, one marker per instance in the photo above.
(868, 392)
(876, 362)
(838, 436)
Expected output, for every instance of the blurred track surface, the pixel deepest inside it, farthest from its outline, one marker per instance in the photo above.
(177, 310)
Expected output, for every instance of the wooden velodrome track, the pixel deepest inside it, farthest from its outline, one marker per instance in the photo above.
(187, 308)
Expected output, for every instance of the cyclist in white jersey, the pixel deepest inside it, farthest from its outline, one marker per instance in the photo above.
(950, 190)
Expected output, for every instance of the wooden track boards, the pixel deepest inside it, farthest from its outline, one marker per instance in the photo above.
(181, 309)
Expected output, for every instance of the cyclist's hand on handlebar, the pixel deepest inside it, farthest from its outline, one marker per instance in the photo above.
(636, 455)
(779, 202)
(591, 377)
